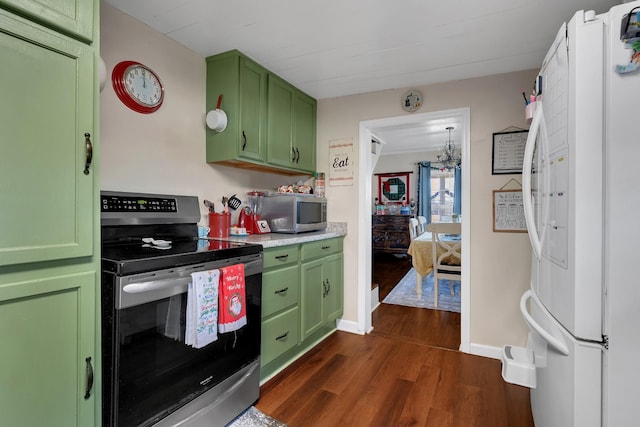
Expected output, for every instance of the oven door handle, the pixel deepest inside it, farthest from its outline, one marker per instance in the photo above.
(154, 285)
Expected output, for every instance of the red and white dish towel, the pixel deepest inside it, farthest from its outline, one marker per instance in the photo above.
(202, 309)
(233, 301)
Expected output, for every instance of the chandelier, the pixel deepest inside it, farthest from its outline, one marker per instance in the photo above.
(449, 156)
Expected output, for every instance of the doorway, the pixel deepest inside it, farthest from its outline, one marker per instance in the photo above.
(368, 129)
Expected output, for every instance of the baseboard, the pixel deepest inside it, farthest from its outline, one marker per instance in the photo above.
(486, 351)
(348, 326)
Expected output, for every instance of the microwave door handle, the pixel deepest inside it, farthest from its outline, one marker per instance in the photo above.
(154, 285)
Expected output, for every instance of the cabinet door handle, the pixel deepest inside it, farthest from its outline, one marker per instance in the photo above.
(324, 288)
(293, 155)
(89, 151)
(87, 393)
(244, 140)
(282, 256)
(283, 337)
(328, 286)
(297, 156)
(281, 291)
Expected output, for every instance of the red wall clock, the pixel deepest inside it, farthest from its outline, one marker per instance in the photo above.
(137, 86)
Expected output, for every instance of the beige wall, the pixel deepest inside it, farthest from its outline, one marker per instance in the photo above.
(499, 261)
(163, 152)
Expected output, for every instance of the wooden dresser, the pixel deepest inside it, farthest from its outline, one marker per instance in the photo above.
(390, 233)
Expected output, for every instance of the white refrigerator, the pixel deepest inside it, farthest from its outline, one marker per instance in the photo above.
(581, 187)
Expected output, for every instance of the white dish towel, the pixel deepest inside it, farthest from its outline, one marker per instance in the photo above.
(202, 309)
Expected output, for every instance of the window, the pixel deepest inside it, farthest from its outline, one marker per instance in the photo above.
(442, 186)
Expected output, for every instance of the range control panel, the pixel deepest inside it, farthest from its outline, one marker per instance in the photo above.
(115, 203)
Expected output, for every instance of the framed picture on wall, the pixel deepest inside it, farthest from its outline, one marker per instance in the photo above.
(508, 211)
(508, 152)
(393, 187)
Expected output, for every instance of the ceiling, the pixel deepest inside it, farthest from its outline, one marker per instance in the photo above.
(334, 48)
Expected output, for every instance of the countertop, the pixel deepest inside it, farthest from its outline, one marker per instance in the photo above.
(272, 240)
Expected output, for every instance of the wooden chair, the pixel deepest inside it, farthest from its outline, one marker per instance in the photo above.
(444, 251)
(422, 223)
(413, 228)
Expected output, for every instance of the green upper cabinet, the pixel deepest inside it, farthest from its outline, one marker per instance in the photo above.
(291, 127)
(72, 17)
(280, 124)
(46, 199)
(304, 131)
(252, 113)
(271, 124)
(243, 86)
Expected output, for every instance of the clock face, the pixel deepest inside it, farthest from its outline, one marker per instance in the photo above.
(137, 86)
(411, 101)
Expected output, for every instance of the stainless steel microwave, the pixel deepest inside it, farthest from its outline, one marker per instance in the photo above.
(294, 213)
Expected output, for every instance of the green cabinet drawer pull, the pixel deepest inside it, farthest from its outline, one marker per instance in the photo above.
(283, 337)
(244, 140)
(87, 393)
(285, 256)
(324, 248)
(281, 291)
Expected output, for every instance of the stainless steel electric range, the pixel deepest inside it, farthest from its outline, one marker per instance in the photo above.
(150, 377)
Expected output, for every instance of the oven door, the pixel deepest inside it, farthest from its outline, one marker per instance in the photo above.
(154, 372)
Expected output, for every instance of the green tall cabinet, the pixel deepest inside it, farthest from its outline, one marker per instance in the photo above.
(49, 218)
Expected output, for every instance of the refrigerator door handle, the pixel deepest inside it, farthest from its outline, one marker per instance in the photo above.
(554, 342)
(538, 126)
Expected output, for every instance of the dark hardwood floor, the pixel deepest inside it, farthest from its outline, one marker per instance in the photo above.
(407, 372)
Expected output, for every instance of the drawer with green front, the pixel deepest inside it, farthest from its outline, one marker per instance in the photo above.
(321, 248)
(279, 334)
(280, 256)
(279, 289)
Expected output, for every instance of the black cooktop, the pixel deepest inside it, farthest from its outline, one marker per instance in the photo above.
(135, 257)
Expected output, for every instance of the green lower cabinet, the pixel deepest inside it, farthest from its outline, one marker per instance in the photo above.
(46, 336)
(322, 293)
(279, 334)
(333, 301)
(302, 296)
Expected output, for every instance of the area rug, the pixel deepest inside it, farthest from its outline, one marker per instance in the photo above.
(253, 417)
(404, 293)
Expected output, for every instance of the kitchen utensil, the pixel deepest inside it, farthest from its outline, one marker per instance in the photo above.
(217, 119)
(234, 202)
(225, 202)
(209, 205)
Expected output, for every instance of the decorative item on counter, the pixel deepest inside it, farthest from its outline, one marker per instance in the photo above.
(238, 231)
(319, 184)
(298, 188)
(203, 231)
